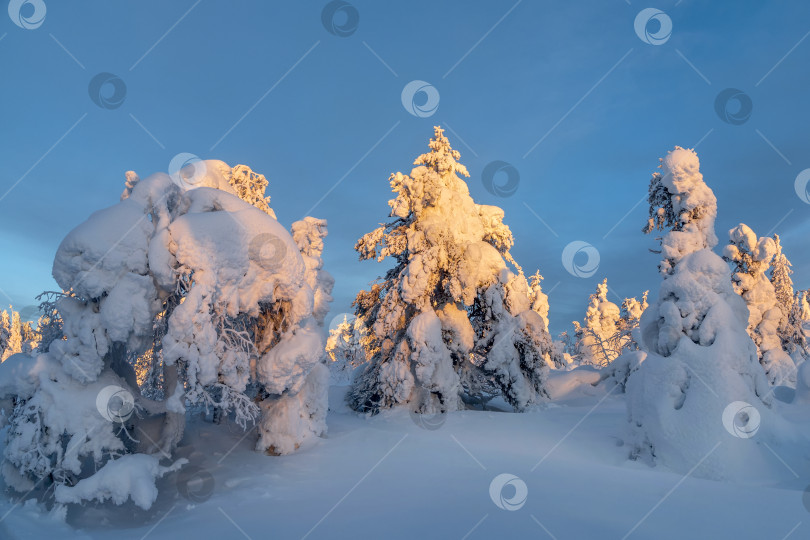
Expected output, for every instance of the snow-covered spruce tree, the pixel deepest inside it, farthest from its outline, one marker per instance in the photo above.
(344, 349)
(699, 358)
(16, 335)
(597, 340)
(49, 325)
(563, 351)
(791, 331)
(299, 413)
(5, 331)
(450, 318)
(308, 235)
(14, 344)
(803, 302)
(626, 340)
(224, 286)
(631, 312)
(750, 259)
(794, 335)
(780, 271)
(538, 300)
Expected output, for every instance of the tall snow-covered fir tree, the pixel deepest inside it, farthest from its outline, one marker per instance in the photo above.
(222, 297)
(699, 357)
(308, 234)
(801, 302)
(450, 319)
(780, 271)
(751, 258)
(597, 341)
(791, 329)
(794, 333)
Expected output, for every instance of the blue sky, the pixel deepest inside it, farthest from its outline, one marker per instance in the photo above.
(317, 109)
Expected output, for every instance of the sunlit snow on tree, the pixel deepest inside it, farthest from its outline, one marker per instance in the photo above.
(450, 319)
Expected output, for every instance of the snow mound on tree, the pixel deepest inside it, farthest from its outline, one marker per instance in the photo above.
(751, 258)
(700, 361)
(226, 305)
(128, 477)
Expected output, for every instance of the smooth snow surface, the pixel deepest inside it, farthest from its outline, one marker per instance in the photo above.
(386, 477)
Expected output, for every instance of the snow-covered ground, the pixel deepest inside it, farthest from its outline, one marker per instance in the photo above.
(387, 477)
